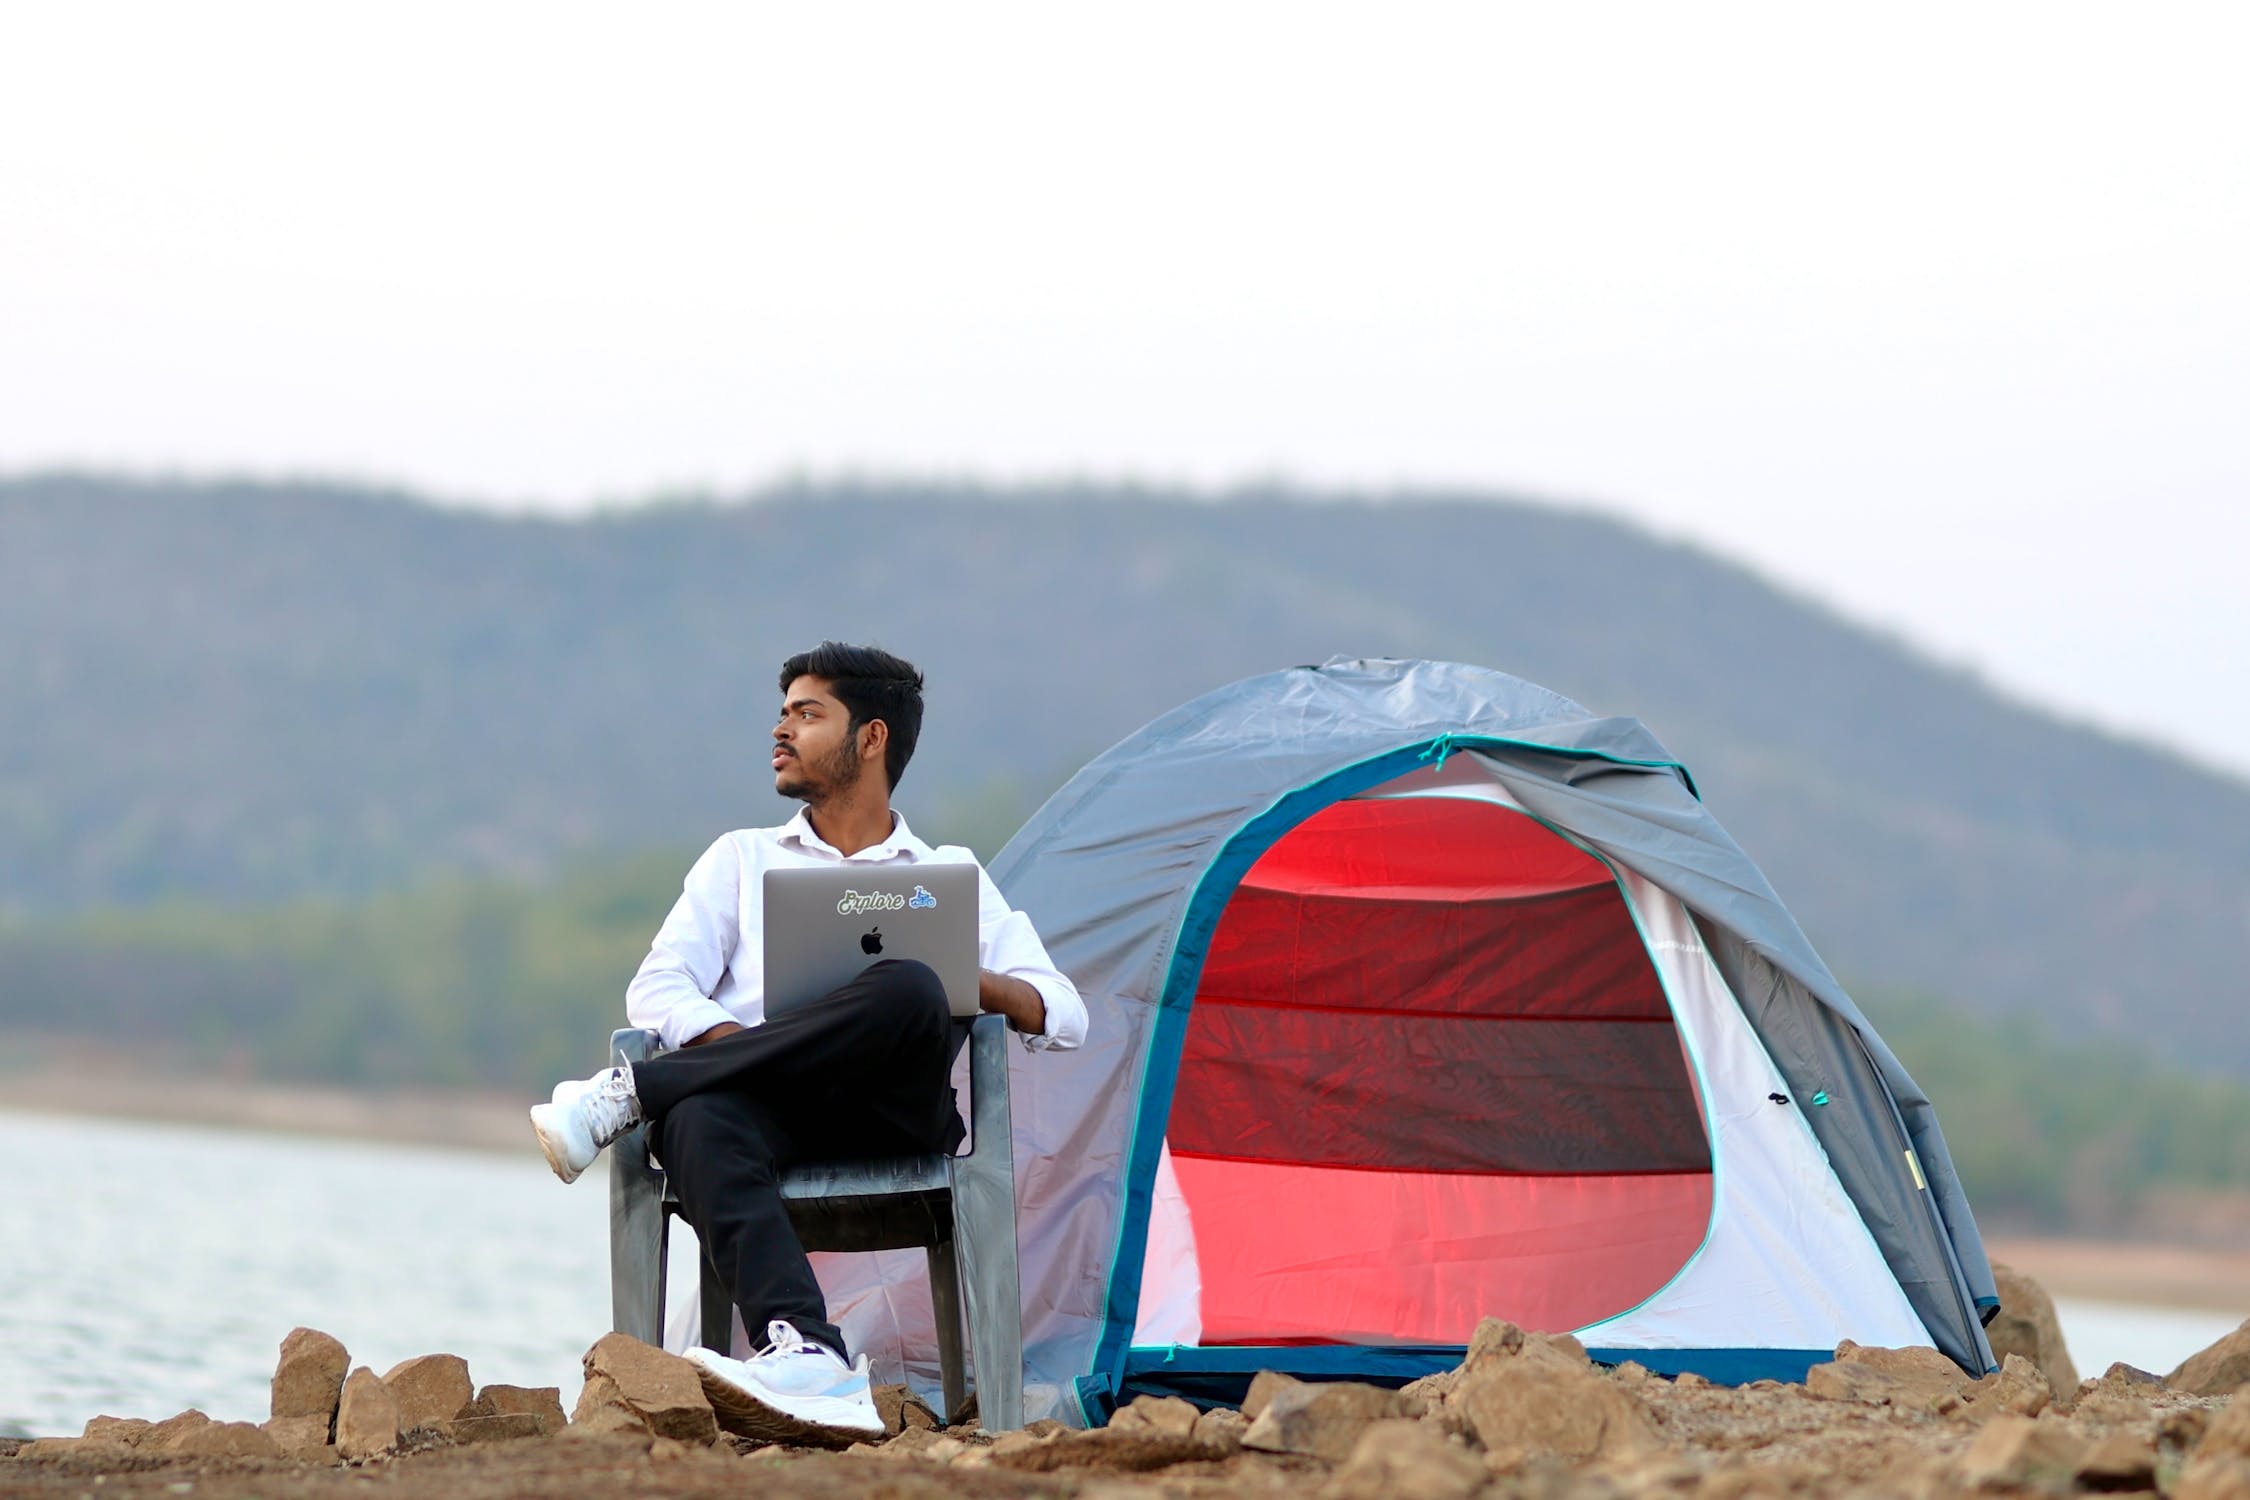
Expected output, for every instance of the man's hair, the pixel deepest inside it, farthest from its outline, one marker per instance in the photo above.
(871, 684)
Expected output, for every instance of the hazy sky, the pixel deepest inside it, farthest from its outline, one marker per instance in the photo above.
(1938, 313)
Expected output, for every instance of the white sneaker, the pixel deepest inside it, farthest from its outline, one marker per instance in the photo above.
(584, 1116)
(792, 1377)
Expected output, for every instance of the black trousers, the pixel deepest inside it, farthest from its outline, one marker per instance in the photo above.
(864, 1071)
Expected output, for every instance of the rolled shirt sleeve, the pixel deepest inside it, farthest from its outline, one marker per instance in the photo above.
(671, 995)
(1007, 944)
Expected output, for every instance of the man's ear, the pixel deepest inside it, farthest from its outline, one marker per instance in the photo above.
(874, 739)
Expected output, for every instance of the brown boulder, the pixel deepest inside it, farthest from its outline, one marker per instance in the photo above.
(1405, 1460)
(541, 1401)
(123, 1432)
(1157, 1414)
(166, 1435)
(366, 1417)
(2119, 1461)
(2017, 1387)
(2218, 1369)
(902, 1410)
(2026, 1325)
(430, 1389)
(1323, 1419)
(309, 1380)
(499, 1427)
(1222, 1428)
(2228, 1435)
(105, 1452)
(2213, 1479)
(307, 1438)
(1262, 1388)
(662, 1390)
(2022, 1453)
(1909, 1379)
(225, 1440)
(1521, 1409)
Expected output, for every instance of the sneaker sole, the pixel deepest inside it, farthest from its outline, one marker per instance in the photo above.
(548, 1148)
(745, 1415)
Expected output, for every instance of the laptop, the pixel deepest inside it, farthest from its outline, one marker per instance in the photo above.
(825, 923)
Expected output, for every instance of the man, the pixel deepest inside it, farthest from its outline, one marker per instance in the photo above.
(861, 1072)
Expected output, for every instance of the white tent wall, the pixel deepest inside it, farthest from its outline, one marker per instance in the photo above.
(1787, 1256)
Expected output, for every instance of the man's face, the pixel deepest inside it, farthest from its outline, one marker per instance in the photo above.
(815, 755)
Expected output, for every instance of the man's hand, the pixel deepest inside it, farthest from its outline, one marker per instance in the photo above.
(1006, 995)
(723, 1029)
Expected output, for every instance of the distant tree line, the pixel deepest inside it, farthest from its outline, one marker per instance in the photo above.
(511, 986)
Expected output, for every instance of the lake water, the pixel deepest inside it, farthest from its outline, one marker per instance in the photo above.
(145, 1269)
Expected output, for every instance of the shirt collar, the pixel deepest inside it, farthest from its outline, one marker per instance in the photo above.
(799, 831)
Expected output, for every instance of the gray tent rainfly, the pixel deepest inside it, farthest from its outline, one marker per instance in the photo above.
(1419, 993)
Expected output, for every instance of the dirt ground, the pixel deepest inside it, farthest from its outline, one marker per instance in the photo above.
(1765, 1439)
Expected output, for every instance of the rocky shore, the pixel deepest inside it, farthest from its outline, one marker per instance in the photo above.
(1525, 1414)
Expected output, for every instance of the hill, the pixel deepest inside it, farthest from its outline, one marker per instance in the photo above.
(262, 693)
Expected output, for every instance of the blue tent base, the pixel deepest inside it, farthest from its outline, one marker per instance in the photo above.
(1220, 1376)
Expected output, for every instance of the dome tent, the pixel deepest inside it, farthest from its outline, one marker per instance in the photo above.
(1418, 993)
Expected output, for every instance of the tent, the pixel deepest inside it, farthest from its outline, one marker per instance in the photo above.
(1419, 993)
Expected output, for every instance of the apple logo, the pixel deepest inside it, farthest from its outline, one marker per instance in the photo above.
(872, 942)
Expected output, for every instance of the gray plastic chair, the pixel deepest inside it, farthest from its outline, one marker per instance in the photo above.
(961, 1209)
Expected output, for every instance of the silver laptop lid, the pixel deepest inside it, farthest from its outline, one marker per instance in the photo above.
(825, 923)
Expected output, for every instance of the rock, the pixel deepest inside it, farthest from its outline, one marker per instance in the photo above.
(607, 1419)
(225, 1440)
(123, 1432)
(306, 1438)
(2218, 1369)
(1396, 1459)
(309, 1380)
(497, 1428)
(1165, 1414)
(1494, 1338)
(2026, 1325)
(1688, 1380)
(902, 1410)
(916, 1442)
(1323, 1419)
(541, 1401)
(430, 1389)
(2228, 1435)
(2213, 1479)
(2018, 1387)
(1632, 1373)
(2022, 1453)
(1221, 1429)
(1262, 1388)
(663, 1390)
(1134, 1449)
(1522, 1409)
(2119, 1397)
(366, 1417)
(100, 1452)
(1909, 1379)
(165, 1435)
(2119, 1461)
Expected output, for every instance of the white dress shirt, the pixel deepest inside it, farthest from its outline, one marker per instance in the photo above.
(708, 963)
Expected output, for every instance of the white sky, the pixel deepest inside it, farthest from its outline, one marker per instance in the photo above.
(1938, 313)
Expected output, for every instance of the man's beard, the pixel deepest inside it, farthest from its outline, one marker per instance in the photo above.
(832, 775)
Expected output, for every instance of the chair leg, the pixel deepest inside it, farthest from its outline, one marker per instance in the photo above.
(985, 1236)
(717, 1310)
(638, 1231)
(945, 1305)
